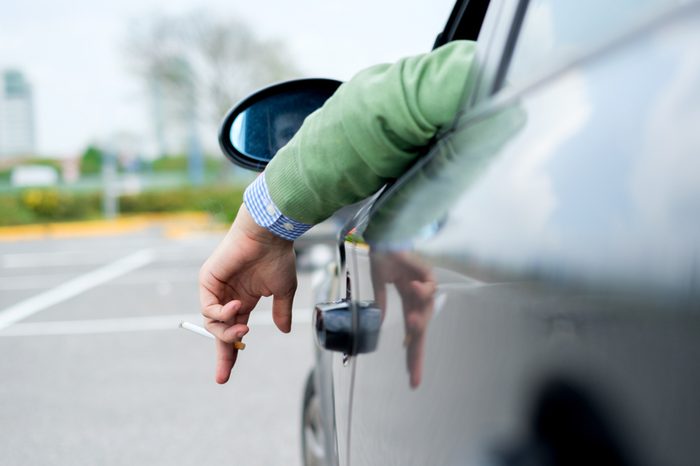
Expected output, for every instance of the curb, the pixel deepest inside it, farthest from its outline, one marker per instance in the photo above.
(175, 226)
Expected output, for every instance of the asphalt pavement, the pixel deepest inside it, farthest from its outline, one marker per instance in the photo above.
(95, 371)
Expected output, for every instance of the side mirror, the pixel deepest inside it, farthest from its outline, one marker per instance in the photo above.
(254, 130)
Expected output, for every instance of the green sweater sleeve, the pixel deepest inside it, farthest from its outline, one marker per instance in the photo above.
(368, 132)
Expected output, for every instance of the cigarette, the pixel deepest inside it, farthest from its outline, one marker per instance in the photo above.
(239, 345)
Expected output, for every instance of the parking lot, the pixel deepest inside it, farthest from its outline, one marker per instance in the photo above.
(95, 370)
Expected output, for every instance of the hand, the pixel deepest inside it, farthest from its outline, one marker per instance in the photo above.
(249, 263)
(416, 286)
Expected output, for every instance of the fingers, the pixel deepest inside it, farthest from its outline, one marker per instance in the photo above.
(220, 313)
(380, 298)
(418, 302)
(228, 322)
(282, 312)
(379, 282)
(227, 333)
(414, 358)
(225, 359)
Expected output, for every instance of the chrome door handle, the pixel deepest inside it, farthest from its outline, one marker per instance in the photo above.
(336, 331)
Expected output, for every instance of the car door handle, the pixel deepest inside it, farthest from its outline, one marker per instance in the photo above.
(335, 330)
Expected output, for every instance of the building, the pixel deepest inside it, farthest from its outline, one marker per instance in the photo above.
(17, 133)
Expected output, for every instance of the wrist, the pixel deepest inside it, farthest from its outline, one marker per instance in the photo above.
(246, 225)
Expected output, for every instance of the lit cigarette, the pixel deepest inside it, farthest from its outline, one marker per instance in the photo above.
(239, 345)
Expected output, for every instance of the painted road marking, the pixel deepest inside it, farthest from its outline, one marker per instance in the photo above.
(143, 277)
(57, 258)
(28, 307)
(32, 282)
(132, 324)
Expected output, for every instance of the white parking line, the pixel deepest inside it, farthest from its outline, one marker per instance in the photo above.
(55, 258)
(131, 324)
(31, 282)
(143, 277)
(26, 308)
(79, 327)
(43, 260)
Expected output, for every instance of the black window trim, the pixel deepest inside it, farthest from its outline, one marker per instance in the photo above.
(464, 23)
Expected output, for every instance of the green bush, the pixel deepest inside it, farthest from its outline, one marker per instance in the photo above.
(178, 164)
(12, 212)
(47, 205)
(221, 202)
(169, 163)
(52, 205)
(91, 161)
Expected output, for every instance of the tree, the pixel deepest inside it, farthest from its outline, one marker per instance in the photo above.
(91, 161)
(197, 66)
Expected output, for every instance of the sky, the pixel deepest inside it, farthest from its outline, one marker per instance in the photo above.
(72, 52)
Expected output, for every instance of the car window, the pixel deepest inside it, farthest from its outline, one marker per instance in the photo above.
(553, 31)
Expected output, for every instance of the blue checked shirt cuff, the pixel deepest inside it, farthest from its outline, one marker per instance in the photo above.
(267, 215)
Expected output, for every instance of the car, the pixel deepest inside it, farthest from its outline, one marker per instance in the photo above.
(529, 291)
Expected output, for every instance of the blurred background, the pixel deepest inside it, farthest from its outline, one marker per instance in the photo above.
(121, 98)
(113, 192)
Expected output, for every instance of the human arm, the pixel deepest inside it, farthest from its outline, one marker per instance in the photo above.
(369, 132)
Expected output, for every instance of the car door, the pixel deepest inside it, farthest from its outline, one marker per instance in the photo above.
(522, 321)
(335, 370)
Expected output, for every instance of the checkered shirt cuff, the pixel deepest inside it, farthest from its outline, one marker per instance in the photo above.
(267, 215)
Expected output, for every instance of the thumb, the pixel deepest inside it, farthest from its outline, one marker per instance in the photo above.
(282, 311)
